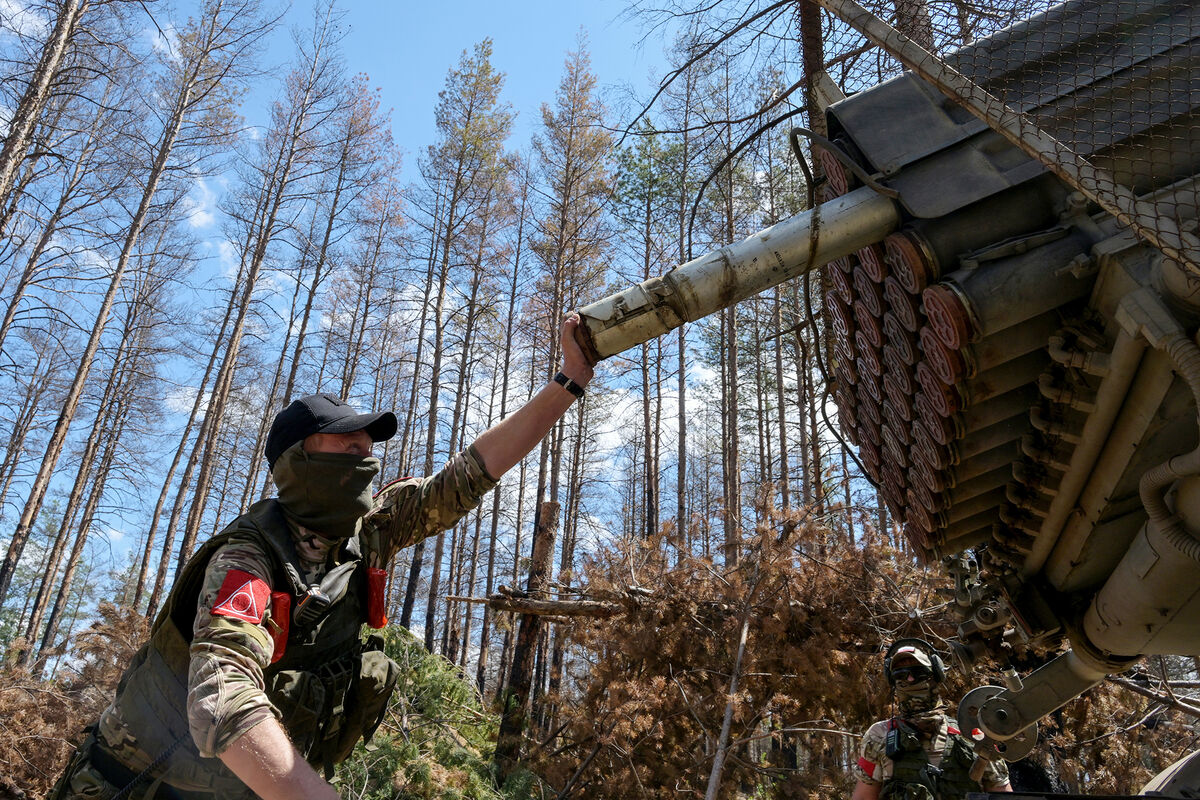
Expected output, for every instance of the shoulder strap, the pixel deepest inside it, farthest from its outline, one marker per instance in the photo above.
(313, 600)
(907, 765)
(267, 519)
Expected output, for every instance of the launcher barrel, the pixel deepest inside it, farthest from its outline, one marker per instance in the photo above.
(720, 278)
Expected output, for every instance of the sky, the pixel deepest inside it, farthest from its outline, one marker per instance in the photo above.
(406, 48)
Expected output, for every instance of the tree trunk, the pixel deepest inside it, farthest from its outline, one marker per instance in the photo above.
(104, 429)
(781, 406)
(168, 546)
(485, 626)
(49, 229)
(89, 513)
(33, 398)
(278, 176)
(515, 701)
(29, 108)
(723, 746)
(414, 570)
(67, 413)
(456, 424)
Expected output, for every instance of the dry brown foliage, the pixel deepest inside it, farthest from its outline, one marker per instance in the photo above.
(43, 719)
(652, 685)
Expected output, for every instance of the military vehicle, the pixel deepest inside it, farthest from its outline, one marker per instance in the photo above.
(1012, 243)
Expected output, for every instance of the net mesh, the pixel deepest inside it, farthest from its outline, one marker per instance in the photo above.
(1105, 93)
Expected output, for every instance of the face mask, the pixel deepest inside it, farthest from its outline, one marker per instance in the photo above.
(917, 698)
(328, 493)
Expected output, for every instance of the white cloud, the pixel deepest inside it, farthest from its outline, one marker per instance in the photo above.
(181, 399)
(114, 536)
(227, 256)
(164, 40)
(201, 205)
(21, 19)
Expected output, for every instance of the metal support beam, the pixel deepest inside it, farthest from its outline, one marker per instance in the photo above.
(1044, 691)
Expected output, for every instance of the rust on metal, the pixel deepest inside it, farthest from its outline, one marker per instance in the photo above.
(868, 355)
(944, 398)
(901, 372)
(840, 319)
(938, 456)
(870, 260)
(894, 420)
(947, 364)
(909, 262)
(948, 315)
(868, 323)
(868, 292)
(836, 176)
(944, 429)
(842, 284)
(843, 264)
(868, 406)
(901, 400)
(902, 339)
(903, 304)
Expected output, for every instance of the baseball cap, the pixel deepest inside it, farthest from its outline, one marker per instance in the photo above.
(323, 413)
(915, 653)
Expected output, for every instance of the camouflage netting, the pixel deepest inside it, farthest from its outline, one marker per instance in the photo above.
(1104, 93)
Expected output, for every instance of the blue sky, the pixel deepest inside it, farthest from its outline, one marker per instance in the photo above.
(407, 47)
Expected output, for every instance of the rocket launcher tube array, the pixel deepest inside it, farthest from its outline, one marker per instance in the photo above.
(723, 277)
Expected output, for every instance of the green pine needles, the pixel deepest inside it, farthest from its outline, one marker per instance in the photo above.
(436, 740)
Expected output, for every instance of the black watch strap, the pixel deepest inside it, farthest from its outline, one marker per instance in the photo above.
(568, 384)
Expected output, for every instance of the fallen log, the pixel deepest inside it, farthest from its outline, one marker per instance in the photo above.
(564, 608)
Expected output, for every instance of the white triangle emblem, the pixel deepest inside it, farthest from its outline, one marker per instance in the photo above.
(241, 604)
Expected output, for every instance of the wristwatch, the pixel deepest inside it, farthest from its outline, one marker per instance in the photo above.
(568, 384)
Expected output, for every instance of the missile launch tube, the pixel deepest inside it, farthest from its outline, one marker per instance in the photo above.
(722, 277)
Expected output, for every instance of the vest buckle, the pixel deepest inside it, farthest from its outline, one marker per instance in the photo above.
(312, 607)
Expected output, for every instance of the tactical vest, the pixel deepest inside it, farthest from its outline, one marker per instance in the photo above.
(330, 689)
(914, 778)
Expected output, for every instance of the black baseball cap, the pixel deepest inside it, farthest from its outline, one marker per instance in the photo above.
(323, 413)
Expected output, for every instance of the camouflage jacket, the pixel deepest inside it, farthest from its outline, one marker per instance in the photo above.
(226, 694)
(875, 768)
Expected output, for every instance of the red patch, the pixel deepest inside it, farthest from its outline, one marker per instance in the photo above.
(952, 729)
(867, 767)
(281, 605)
(243, 597)
(376, 597)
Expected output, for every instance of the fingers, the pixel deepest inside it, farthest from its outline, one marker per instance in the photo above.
(576, 363)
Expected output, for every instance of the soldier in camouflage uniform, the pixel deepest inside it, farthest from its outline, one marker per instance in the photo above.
(255, 672)
(920, 754)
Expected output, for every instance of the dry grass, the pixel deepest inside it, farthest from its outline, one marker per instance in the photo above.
(43, 718)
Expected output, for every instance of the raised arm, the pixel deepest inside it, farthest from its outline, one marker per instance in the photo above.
(506, 443)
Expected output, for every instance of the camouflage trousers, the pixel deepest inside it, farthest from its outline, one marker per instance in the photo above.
(93, 774)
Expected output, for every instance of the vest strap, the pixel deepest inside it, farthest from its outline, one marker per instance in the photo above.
(313, 600)
(115, 772)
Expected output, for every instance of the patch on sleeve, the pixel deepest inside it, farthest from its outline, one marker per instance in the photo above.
(867, 767)
(242, 596)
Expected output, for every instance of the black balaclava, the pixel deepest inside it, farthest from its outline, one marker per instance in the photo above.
(325, 493)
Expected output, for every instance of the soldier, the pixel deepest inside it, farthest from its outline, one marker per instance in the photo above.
(920, 753)
(255, 668)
